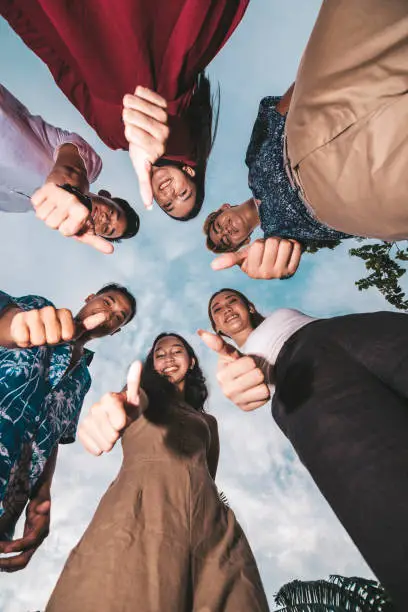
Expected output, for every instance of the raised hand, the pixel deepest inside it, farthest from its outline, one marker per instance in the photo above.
(102, 427)
(146, 131)
(62, 211)
(264, 258)
(240, 379)
(36, 529)
(50, 326)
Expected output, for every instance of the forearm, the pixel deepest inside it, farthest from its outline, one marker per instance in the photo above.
(69, 168)
(43, 487)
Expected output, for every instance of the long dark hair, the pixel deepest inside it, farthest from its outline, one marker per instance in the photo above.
(161, 392)
(255, 317)
(203, 115)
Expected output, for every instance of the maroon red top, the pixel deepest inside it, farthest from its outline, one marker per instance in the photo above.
(98, 50)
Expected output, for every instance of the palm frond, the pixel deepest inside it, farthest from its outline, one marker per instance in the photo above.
(339, 593)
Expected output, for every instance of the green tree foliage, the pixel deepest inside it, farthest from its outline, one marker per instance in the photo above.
(338, 594)
(383, 262)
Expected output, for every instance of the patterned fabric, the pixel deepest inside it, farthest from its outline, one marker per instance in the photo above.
(40, 403)
(281, 211)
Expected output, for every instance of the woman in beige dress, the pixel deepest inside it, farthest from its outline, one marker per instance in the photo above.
(161, 540)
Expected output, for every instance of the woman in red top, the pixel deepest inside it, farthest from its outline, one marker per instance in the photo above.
(100, 50)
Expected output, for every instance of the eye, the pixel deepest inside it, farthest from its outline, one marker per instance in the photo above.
(106, 302)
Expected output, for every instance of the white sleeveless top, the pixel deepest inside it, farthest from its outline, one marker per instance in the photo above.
(266, 341)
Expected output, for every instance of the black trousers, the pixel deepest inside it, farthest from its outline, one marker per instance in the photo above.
(342, 401)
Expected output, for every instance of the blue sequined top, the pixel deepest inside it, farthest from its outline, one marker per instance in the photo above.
(282, 212)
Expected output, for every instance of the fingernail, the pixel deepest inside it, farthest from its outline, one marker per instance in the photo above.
(149, 206)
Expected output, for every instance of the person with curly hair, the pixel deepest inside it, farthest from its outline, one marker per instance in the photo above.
(161, 537)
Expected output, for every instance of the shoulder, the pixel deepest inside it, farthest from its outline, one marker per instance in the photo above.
(211, 421)
(32, 302)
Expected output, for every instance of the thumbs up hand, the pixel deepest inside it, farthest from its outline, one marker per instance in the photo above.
(239, 377)
(146, 130)
(264, 259)
(103, 426)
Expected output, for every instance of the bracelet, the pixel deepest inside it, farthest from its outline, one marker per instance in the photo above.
(84, 199)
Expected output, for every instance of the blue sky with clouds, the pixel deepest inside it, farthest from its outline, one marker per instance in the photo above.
(293, 532)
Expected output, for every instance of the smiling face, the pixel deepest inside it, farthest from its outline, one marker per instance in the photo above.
(171, 359)
(230, 315)
(174, 190)
(108, 217)
(229, 230)
(114, 304)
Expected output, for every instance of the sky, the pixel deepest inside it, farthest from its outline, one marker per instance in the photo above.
(291, 528)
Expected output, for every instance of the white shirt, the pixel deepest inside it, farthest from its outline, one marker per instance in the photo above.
(28, 149)
(266, 341)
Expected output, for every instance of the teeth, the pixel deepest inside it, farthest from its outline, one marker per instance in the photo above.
(230, 317)
(170, 369)
(165, 184)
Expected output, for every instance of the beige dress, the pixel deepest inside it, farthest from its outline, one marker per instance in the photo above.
(161, 540)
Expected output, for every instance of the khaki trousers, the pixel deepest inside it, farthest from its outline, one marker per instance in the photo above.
(347, 127)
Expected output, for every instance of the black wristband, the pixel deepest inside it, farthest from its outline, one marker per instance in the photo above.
(84, 199)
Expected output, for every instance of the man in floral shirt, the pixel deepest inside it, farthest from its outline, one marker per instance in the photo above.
(44, 378)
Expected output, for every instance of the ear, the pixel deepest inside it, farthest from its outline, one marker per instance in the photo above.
(189, 170)
(89, 298)
(225, 206)
(192, 364)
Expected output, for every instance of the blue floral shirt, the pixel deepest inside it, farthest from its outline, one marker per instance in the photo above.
(40, 403)
(282, 212)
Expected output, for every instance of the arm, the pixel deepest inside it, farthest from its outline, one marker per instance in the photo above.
(42, 326)
(69, 168)
(43, 489)
(284, 103)
(214, 450)
(37, 523)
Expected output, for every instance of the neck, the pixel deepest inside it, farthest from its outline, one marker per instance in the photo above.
(241, 337)
(180, 388)
(249, 210)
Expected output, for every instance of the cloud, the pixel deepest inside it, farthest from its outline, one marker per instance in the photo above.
(292, 530)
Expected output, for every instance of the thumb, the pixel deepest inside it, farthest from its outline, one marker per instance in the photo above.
(227, 260)
(91, 322)
(97, 242)
(144, 174)
(226, 351)
(133, 383)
